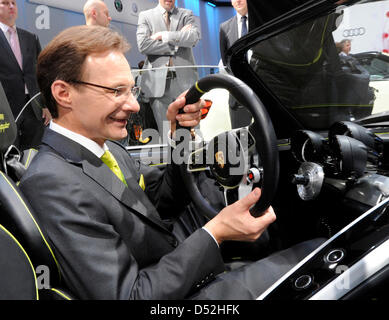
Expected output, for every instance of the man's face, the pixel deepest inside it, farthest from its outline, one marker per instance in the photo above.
(8, 12)
(347, 47)
(240, 6)
(96, 113)
(167, 4)
(102, 15)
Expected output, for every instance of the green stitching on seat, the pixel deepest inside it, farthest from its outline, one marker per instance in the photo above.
(61, 293)
(36, 224)
(29, 155)
(28, 258)
(331, 105)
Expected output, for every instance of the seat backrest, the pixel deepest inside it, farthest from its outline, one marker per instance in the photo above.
(18, 217)
(17, 274)
(8, 128)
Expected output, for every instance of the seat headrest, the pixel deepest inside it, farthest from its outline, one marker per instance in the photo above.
(8, 128)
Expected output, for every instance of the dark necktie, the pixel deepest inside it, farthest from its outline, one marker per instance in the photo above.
(244, 26)
(167, 15)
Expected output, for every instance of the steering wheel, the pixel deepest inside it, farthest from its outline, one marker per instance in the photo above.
(239, 159)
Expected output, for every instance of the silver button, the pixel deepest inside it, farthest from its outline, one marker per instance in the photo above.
(335, 256)
(303, 281)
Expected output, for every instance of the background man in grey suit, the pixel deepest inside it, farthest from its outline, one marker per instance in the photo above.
(166, 44)
(106, 225)
(18, 75)
(230, 31)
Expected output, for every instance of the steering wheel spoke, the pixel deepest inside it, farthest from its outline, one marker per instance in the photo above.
(242, 190)
(197, 160)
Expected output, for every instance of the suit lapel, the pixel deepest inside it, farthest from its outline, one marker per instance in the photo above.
(23, 45)
(234, 30)
(132, 197)
(4, 42)
(174, 19)
(158, 21)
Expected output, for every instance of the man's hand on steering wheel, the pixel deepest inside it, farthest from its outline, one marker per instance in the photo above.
(191, 116)
(235, 222)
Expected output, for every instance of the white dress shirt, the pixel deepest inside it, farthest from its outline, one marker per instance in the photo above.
(5, 28)
(239, 21)
(80, 139)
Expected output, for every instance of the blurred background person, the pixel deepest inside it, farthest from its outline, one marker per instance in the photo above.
(96, 13)
(166, 35)
(19, 50)
(344, 47)
(230, 31)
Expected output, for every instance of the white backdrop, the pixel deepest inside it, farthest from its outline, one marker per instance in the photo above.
(129, 13)
(367, 25)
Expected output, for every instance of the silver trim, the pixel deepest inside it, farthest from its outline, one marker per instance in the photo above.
(356, 274)
(313, 253)
(309, 282)
(335, 260)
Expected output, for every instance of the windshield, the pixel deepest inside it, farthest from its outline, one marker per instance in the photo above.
(142, 126)
(332, 68)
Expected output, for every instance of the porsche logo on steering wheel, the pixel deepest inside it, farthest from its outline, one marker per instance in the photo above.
(219, 156)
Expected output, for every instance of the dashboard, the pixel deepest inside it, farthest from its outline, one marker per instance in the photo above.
(349, 159)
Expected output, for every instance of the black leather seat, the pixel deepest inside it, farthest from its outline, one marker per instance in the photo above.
(17, 274)
(18, 221)
(18, 279)
(8, 129)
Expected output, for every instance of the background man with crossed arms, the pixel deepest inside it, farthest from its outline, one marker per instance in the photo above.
(166, 44)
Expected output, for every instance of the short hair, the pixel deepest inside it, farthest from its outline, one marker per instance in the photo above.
(63, 58)
(344, 42)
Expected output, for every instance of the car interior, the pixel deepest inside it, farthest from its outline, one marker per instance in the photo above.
(318, 147)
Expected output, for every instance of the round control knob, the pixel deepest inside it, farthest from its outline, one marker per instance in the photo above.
(335, 256)
(254, 175)
(303, 282)
(309, 180)
(300, 179)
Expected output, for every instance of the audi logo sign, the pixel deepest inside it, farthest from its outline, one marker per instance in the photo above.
(355, 32)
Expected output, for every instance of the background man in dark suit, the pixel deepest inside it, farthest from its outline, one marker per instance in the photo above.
(230, 31)
(104, 212)
(19, 50)
(166, 44)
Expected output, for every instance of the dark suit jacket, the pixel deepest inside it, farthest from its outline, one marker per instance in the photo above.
(110, 240)
(13, 78)
(228, 34)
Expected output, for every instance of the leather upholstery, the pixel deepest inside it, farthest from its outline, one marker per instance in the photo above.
(18, 217)
(7, 123)
(17, 274)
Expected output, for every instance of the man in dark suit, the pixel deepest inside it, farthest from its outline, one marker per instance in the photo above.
(19, 50)
(230, 31)
(166, 35)
(103, 212)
